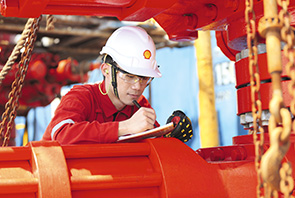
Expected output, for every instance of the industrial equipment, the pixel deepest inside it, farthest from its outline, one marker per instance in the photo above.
(258, 35)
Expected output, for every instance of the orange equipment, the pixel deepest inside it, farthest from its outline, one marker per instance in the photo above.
(163, 167)
(46, 75)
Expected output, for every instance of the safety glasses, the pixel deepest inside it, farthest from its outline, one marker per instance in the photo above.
(132, 79)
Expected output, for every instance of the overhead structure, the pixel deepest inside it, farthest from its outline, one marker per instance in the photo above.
(79, 37)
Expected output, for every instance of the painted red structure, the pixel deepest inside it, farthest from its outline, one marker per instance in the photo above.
(46, 74)
(152, 168)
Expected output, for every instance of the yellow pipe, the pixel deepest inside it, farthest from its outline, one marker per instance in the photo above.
(25, 137)
(208, 116)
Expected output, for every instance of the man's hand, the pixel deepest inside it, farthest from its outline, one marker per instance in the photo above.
(183, 127)
(142, 120)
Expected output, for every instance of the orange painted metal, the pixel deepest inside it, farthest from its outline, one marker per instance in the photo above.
(46, 75)
(242, 65)
(222, 39)
(64, 71)
(181, 19)
(235, 164)
(132, 10)
(161, 167)
(244, 100)
(243, 84)
(49, 167)
(156, 167)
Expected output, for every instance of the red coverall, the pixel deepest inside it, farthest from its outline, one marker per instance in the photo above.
(84, 115)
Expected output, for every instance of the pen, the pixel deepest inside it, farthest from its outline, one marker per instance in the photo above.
(138, 106)
(136, 103)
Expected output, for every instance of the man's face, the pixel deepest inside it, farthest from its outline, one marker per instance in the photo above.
(130, 87)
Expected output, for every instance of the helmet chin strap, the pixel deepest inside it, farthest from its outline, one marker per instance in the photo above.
(114, 81)
(114, 76)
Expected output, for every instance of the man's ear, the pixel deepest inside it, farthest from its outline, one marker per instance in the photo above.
(105, 69)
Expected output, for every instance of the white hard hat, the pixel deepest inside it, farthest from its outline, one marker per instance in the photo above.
(133, 50)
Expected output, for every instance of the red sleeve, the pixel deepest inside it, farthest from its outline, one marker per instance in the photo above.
(68, 126)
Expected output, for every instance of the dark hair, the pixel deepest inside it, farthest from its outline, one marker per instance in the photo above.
(108, 59)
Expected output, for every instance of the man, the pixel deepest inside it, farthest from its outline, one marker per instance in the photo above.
(102, 112)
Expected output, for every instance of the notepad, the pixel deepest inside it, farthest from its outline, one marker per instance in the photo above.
(152, 133)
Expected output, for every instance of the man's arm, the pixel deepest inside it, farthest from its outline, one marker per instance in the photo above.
(69, 125)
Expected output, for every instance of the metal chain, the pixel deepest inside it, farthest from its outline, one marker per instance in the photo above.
(16, 51)
(12, 104)
(287, 35)
(255, 90)
(279, 145)
(275, 174)
(50, 20)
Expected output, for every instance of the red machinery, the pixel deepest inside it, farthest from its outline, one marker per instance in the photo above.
(166, 167)
(45, 77)
(153, 168)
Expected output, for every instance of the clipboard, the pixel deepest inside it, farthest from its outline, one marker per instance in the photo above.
(152, 133)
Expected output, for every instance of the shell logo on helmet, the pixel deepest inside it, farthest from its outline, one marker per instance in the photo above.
(147, 54)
